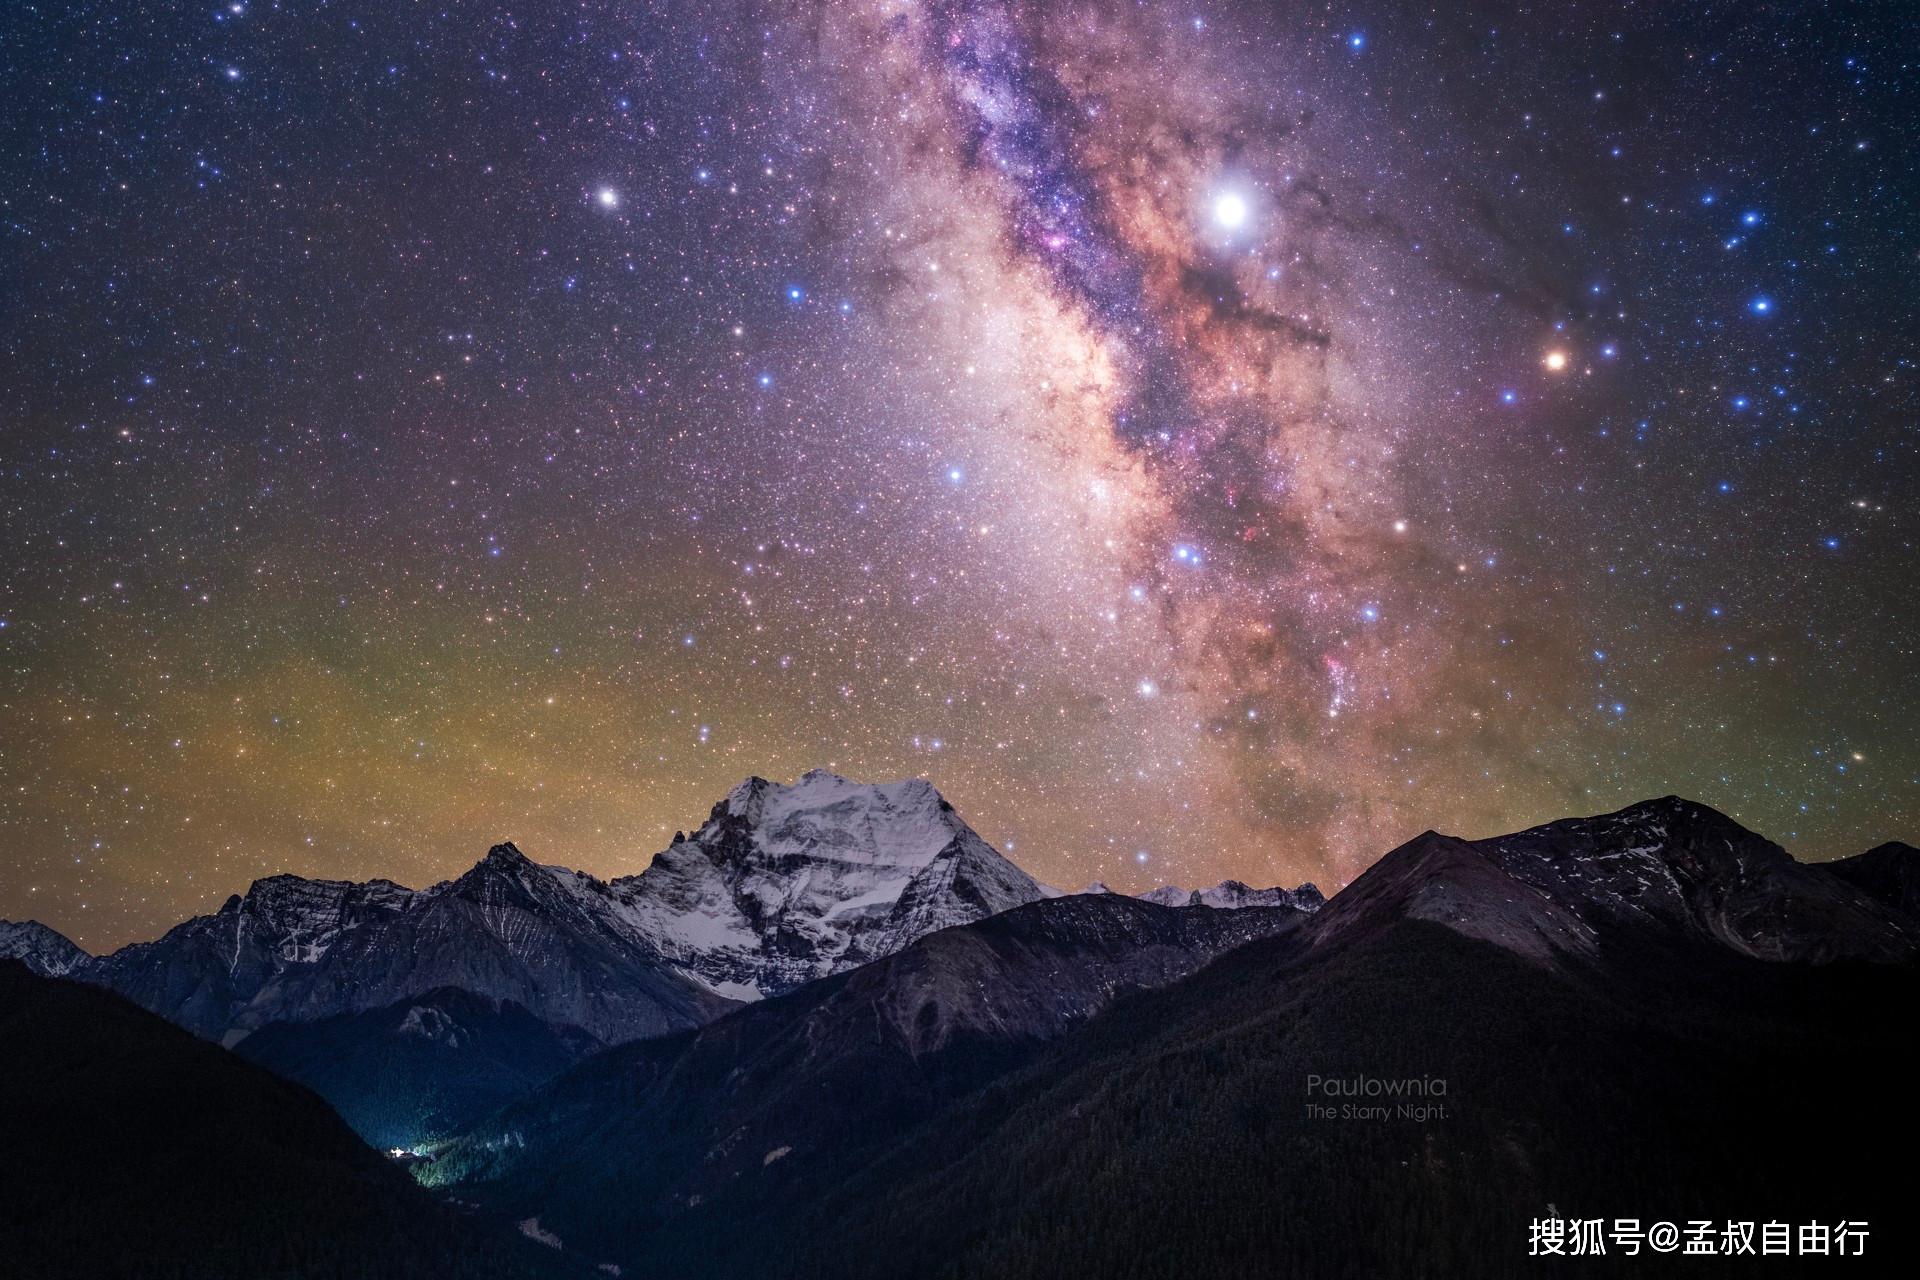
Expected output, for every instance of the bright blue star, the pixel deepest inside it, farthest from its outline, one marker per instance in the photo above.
(1761, 306)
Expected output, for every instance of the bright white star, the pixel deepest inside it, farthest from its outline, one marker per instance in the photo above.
(1230, 211)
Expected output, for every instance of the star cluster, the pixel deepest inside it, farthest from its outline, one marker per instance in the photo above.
(1207, 440)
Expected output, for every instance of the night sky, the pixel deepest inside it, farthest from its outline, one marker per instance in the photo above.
(1204, 439)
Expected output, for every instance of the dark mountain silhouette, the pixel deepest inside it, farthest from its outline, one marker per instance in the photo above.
(759, 1102)
(129, 1148)
(1890, 873)
(426, 1067)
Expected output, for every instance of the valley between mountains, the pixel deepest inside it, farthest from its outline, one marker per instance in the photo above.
(832, 1031)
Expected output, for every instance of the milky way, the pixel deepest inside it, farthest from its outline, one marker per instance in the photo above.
(1207, 440)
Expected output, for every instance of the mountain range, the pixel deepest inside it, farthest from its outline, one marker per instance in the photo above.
(514, 969)
(833, 1032)
(780, 885)
(1625, 1004)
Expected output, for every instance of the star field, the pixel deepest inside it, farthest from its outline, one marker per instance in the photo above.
(1206, 440)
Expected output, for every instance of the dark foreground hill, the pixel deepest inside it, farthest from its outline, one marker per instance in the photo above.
(781, 1099)
(1174, 1138)
(423, 1068)
(129, 1148)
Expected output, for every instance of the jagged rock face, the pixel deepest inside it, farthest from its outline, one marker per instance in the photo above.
(789, 883)
(1232, 894)
(292, 949)
(47, 952)
(205, 973)
(1669, 868)
(1451, 882)
(1686, 866)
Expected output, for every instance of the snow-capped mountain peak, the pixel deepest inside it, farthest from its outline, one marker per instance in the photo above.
(1231, 894)
(788, 882)
(904, 824)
